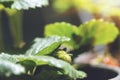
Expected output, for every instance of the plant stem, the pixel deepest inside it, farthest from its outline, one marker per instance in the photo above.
(16, 28)
(1, 34)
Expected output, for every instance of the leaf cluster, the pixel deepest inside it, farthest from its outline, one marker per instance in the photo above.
(91, 33)
(37, 62)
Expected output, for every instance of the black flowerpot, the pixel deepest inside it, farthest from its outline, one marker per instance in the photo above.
(101, 72)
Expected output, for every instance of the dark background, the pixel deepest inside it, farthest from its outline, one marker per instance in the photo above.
(34, 21)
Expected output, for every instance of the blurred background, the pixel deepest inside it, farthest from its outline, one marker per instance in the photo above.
(34, 21)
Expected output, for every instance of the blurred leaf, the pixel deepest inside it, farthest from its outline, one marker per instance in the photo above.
(108, 8)
(102, 32)
(8, 66)
(6, 0)
(115, 12)
(67, 69)
(29, 65)
(10, 12)
(26, 4)
(1, 7)
(62, 29)
(89, 5)
(7, 57)
(62, 6)
(42, 46)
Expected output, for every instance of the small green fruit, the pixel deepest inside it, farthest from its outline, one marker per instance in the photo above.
(61, 54)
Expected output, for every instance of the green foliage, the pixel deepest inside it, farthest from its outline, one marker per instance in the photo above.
(26, 4)
(100, 31)
(62, 6)
(67, 69)
(62, 29)
(27, 63)
(94, 32)
(1, 7)
(8, 66)
(42, 46)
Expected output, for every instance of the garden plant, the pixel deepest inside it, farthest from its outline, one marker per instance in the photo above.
(51, 57)
(39, 58)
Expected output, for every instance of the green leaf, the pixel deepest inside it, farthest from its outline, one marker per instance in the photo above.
(62, 29)
(13, 59)
(100, 31)
(43, 46)
(67, 69)
(29, 65)
(62, 6)
(1, 7)
(8, 57)
(26, 4)
(8, 66)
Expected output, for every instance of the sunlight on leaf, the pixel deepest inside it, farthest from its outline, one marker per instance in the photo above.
(62, 29)
(1, 7)
(42, 46)
(66, 67)
(8, 65)
(7, 57)
(8, 68)
(26, 4)
(102, 32)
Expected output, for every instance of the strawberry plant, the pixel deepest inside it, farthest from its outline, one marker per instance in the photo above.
(40, 56)
(42, 59)
(89, 34)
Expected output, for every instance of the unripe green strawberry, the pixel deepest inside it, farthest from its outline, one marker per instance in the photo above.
(61, 54)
